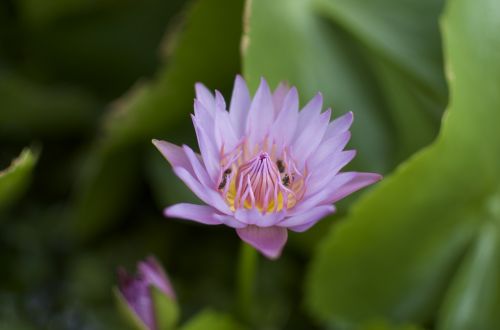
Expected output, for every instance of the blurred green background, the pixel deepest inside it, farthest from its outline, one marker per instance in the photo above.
(85, 85)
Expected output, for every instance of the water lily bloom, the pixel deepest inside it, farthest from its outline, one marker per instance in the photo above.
(265, 167)
(136, 290)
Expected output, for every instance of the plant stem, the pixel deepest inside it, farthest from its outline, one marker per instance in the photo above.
(247, 270)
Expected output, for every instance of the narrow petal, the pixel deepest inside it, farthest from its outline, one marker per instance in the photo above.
(173, 154)
(230, 221)
(285, 124)
(308, 218)
(359, 181)
(205, 97)
(326, 171)
(327, 148)
(322, 196)
(220, 103)
(310, 111)
(308, 140)
(199, 171)
(152, 272)
(225, 136)
(261, 114)
(279, 95)
(240, 104)
(208, 149)
(255, 217)
(206, 194)
(339, 125)
(199, 213)
(269, 241)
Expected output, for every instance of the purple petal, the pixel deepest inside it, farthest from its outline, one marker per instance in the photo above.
(204, 193)
(322, 196)
(339, 125)
(220, 103)
(326, 171)
(285, 124)
(240, 103)
(279, 95)
(199, 213)
(359, 181)
(153, 273)
(310, 137)
(225, 136)
(136, 293)
(269, 241)
(198, 169)
(255, 217)
(205, 97)
(310, 111)
(229, 220)
(207, 147)
(328, 148)
(261, 114)
(306, 220)
(173, 154)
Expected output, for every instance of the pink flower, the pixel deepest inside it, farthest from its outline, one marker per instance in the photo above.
(136, 290)
(265, 167)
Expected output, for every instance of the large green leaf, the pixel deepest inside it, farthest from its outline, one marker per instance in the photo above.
(380, 59)
(14, 179)
(210, 320)
(206, 49)
(395, 254)
(31, 109)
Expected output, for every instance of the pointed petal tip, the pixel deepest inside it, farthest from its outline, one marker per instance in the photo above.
(269, 241)
(239, 78)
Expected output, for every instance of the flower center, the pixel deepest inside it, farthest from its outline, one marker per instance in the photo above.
(261, 181)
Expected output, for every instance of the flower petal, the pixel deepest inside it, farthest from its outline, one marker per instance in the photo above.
(260, 115)
(205, 97)
(225, 136)
(339, 125)
(240, 103)
(173, 154)
(152, 272)
(308, 140)
(307, 219)
(322, 196)
(279, 95)
(311, 110)
(285, 125)
(327, 170)
(327, 148)
(199, 213)
(269, 241)
(360, 180)
(199, 171)
(207, 147)
(255, 217)
(204, 193)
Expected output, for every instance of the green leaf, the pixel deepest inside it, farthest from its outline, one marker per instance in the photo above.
(15, 179)
(210, 320)
(381, 59)
(383, 325)
(206, 50)
(473, 299)
(30, 109)
(166, 310)
(395, 254)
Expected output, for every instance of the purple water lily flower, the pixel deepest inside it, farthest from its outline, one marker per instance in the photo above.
(136, 290)
(265, 167)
